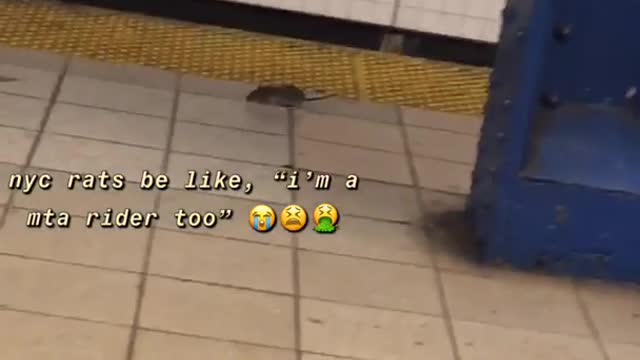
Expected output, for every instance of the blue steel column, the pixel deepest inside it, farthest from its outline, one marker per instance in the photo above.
(557, 180)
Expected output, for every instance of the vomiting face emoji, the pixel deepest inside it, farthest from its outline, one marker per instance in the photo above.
(262, 218)
(326, 218)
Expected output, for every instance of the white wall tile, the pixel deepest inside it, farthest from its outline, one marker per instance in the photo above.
(472, 19)
(459, 7)
(492, 31)
(472, 27)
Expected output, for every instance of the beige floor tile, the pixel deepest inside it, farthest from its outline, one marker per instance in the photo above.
(33, 59)
(6, 170)
(109, 125)
(437, 120)
(260, 176)
(15, 145)
(225, 89)
(116, 96)
(111, 248)
(68, 290)
(367, 282)
(371, 199)
(355, 109)
(443, 175)
(442, 145)
(79, 201)
(350, 331)
(615, 310)
(515, 300)
(347, 160)
(222, 261)
(90, 156)
(231, 144)
(350, 131)
(30, 81)
(623, 352)
(489, 342)
(21, 111)
(27, 336)
(159, 346)
(218, 312)
(232, 113)
(372, 239)
(236, 227)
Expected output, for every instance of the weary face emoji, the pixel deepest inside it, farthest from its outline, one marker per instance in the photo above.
(293, 218)
(262, 218)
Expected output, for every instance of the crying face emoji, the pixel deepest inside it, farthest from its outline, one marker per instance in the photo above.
(262, 218)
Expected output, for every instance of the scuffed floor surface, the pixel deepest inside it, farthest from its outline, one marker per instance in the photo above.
(377, 289)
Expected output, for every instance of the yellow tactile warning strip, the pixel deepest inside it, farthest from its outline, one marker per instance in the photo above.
(236, 55)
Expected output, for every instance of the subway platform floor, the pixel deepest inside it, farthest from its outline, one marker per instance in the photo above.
(391, 283)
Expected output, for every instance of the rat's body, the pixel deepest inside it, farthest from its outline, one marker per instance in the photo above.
(284, 96)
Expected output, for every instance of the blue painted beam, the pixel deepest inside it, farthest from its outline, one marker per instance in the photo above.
(557, 179)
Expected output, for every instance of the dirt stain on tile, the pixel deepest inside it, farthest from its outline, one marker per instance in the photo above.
(316, 321)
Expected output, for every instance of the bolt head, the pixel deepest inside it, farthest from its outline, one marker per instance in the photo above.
(562, 33)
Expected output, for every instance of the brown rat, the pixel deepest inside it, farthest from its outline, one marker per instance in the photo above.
(284, 96)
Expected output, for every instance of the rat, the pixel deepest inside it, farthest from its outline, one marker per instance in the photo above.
(284, 96)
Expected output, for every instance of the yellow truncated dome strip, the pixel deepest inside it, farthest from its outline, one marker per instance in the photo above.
(221, 53)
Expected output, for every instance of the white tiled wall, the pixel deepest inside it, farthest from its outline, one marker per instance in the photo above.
(472, 19)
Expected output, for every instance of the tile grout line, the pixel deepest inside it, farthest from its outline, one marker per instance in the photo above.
(205, 237)
(40, 132)
(214, 284)
(219, 285)
(152, 231)
(395, 13)
(250, 162)
(295, 255)
(586, 314)
(446, 312)
(7, 308)
(241, 101)
(160, 331)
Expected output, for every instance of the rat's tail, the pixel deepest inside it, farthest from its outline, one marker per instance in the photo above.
(317, 98)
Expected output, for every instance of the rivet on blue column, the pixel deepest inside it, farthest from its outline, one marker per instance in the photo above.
(562, 33)
(551, 101)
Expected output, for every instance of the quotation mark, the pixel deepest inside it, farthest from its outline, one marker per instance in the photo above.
(281, 175)
(226, 214)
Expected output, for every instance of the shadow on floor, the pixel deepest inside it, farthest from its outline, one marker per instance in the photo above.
(450, 233)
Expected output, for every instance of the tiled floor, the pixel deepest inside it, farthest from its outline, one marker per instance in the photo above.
(378, 289)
